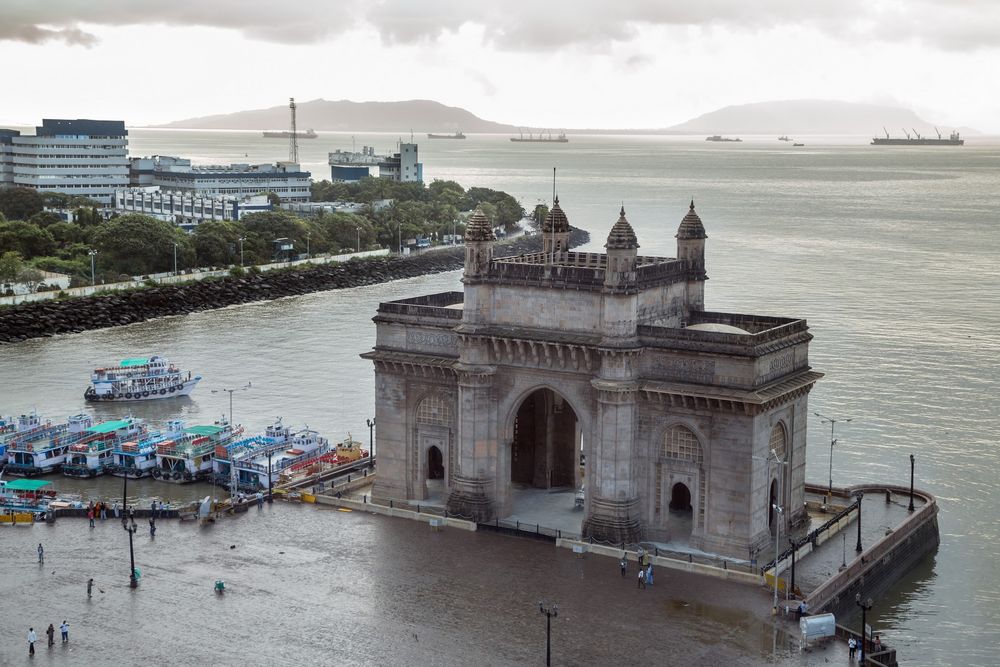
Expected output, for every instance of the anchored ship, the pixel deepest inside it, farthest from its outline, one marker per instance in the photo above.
(457, 135)
(541, 137)
(915, 139)
(285, 134)
(140, 379)
(719, 137)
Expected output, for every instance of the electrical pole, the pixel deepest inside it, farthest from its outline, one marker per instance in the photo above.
(93, 254)
(242, 239)
(549, 611)
(833, 441)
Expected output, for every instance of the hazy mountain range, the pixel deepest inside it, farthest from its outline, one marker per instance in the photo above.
(791, 117)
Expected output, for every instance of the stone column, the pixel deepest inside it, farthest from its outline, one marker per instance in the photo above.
(473, 492)
(613, 513)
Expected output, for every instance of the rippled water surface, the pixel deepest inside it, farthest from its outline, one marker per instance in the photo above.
(890, 253)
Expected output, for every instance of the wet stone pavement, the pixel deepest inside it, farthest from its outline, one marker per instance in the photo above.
(312, 586)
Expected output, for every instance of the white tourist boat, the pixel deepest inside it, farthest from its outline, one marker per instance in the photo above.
(252, 466)
(189, 458)
(25, 495)
(275, 436)
(93, 454)
(43, 449)
(137, 458)
(10, 427)
(140, 379)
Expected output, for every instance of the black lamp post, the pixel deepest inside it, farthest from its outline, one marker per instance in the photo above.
(270, 482)
(861, 494)
(371, 438)
(792, 543)
(865, 608)
(132, 581)
(911, 482)
(549, 611)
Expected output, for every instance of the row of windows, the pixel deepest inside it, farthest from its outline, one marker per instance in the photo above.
(679, 443)
(32, 167)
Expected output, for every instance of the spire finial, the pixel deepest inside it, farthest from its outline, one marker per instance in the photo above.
(622, 212)
(692, 203)
(557, 200)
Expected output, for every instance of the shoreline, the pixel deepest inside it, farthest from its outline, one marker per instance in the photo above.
(47, 318)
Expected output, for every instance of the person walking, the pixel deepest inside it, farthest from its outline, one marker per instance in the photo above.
(152, 527)
(641, 581)
(90, 516)
(32, 638)
(64, 629)
(104, 510)
(852, 647)
(115, 508)
(877, 645)
(41, 553)
(624, 566)
(90, 588)
(51, 633)
(152, 509)
(260, 499)
(649, 574)
(161, 510)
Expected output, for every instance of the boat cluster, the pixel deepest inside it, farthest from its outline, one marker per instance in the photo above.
(219, 453)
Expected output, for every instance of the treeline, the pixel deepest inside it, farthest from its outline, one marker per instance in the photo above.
(134, 244)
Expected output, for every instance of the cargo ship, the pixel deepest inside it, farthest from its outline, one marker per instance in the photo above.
(719, 137)
(954, 139)
(285, 134)
(545, 138)
(457, 135)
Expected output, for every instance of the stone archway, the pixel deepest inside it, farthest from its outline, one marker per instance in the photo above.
(680, 498)
(435, 463)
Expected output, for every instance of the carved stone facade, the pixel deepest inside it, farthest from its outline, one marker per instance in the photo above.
(548, 360)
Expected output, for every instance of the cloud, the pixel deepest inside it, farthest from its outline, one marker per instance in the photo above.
(514, 25)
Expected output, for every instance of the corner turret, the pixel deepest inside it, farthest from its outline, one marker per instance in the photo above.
(555, 231)
(691, 238)
(479, 240)
(623, 247)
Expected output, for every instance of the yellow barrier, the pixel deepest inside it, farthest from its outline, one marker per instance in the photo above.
(308, 498)
(769, 578)
(18, 517)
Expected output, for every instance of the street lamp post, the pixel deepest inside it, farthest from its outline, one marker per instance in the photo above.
(248, 385)
(358, 230)
(833, 441)
(175, 258)
(93, 275)
(308, 235)
(779, 515)
(843, 563)
(399, 232)
(270, 482)
(860, 494)
(242, 239)
(132, 581)
(912, 459)
(791, 543)
(866, 606)
(549, 611)
(454, 232)
(371, 438)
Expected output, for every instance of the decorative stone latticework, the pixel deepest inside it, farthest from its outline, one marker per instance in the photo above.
(548, 360)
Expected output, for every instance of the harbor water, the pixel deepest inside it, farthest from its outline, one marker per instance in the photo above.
(891, 253)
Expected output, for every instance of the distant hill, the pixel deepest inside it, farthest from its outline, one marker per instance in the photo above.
(340, 115)
(802, 117)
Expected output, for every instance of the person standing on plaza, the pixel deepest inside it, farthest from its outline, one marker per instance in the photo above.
(152, 527)
(104, 510)
(51, 633)
(852, 647)
(641, 581)
(624, 565)
(64, 629)
(115, 508)
(90, 588)
(649, 574)
(41, 553)
(32, 638)
(90, 516)
(152, 509)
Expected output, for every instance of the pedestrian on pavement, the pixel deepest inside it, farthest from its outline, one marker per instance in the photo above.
(41, 553)
(624, 565)
(152, 509)
(64, 629)
(90, 588)
(641, 581)
(32, 638)
(51, 632)
(260, 499)
(152, 527)
(649, 574)
(852, 647)
(161, 509)
(116, 509)
(90, 516)
(877, 644)
(104, 510)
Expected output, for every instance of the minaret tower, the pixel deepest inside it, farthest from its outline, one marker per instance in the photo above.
(555, 231)
(691, 248)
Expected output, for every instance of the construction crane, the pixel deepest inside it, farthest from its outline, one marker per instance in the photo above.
(916, 134)
(293, 138)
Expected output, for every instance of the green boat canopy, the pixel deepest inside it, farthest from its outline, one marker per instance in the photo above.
(26, 484)
(108, 427)
(138, 361)
(203, 430)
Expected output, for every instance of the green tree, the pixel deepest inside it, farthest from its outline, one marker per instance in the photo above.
(11, 264)
(67, 232)
(20, 203)
(135, 244)
(26, 238)
(217, 242)
(264, 227)
(45, 219)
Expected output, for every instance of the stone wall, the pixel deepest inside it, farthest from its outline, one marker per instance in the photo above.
(40, 319)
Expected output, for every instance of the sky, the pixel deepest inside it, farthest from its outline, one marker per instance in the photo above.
(556, 63)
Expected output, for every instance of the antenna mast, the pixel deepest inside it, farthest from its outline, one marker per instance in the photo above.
(552, 241)
(293, 139)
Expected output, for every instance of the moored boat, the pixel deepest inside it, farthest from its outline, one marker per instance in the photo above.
(11, 427)
(43, 449)
(137, 458)
(275, 437)
(189, 457)
(25, 495)
(140, 379)
(94, 453)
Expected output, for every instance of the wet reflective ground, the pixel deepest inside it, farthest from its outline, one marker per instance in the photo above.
(312, 586)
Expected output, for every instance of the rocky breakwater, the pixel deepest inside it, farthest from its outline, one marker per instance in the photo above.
(47, 318)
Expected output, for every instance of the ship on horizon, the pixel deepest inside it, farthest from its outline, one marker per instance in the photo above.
(719, 137)
(457, 135)
(954, 139)
(285, 134)
(541, 137)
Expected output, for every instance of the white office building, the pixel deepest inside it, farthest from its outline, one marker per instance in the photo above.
(403, 167)
(87, 158)
(187, 210)
(174, 174)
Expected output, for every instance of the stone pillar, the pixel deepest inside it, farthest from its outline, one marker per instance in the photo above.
(613, 513)
(473, 491)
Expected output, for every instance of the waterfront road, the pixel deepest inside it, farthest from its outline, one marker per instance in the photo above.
(307, 585)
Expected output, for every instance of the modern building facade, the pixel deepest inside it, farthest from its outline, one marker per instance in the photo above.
(186, 210)
(403, 167)
(174, 174)
(86, 158)
(602, 372)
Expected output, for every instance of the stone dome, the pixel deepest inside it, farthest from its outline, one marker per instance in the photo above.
(621, 237)
(691, 227)
(478, 228)
(556, 221)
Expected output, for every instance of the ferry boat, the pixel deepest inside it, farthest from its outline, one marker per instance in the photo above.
(784, 137)
(140, 379)
(189, 457)
(348, 451)
(43, 449)
(11, 427)
(276, 437)
(25, 495)
(94, 453)
(137, 458)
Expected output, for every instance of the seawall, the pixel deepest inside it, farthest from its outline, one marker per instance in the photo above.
(47, 318)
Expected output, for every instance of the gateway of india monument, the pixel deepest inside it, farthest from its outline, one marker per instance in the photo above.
(600, 372)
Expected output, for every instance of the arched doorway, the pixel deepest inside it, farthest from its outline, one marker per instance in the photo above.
(545, 448)
(680, 498)
(435, 463)
(772, 502)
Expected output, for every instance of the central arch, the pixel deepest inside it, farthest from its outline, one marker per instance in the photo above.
(544, 448)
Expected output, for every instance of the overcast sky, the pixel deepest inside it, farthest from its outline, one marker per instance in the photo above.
(554, 63)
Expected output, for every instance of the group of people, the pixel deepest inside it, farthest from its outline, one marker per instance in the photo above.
(99, 510)
(856, 649)
(645, 573)
(51, 632)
